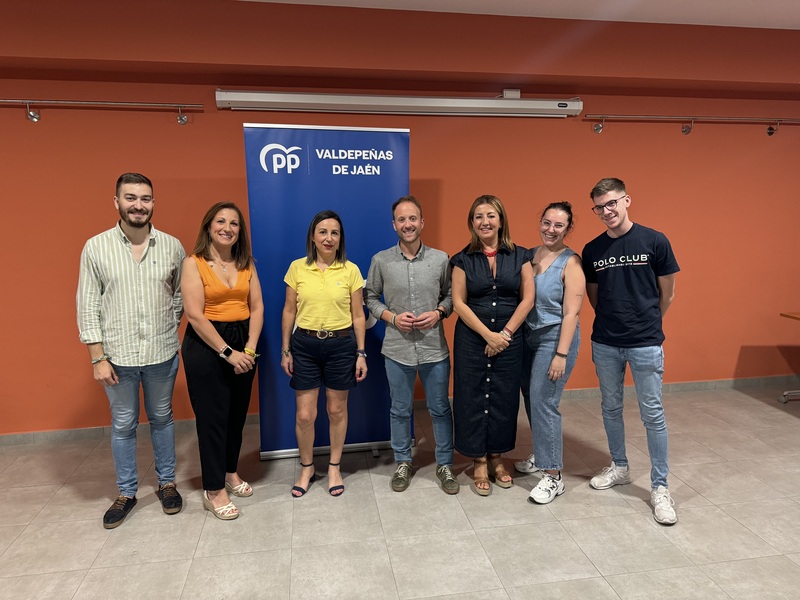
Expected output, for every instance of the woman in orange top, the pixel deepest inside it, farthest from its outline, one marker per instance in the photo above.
(222, 301)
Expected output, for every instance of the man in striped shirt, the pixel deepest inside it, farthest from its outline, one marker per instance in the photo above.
(129, 309)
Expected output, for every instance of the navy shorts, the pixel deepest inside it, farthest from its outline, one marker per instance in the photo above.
(330, 362)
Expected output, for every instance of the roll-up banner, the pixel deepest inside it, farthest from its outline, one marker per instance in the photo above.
(294, 172)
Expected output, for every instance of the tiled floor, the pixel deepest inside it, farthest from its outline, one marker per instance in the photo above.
(735, 458)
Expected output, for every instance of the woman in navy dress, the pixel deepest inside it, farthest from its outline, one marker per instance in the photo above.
(492, 293)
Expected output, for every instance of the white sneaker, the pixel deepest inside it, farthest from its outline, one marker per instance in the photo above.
(526, 466)
(548, 488)
(663, 506)
(611, 476)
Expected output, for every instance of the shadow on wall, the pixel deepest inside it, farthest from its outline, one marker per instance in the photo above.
(782, 363)
(791, 354)
(767, 361)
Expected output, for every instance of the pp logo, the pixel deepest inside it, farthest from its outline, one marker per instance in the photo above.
(282, 158)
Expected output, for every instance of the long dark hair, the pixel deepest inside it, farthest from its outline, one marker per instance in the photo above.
(240, 252)
(311, 249)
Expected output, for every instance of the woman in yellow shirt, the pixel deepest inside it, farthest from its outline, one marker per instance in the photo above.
(324, 301)
(223, 303)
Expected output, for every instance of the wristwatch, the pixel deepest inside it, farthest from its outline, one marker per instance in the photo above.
(442, 316)
(225, 352)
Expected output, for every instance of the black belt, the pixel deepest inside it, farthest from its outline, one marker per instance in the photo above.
(323, 334)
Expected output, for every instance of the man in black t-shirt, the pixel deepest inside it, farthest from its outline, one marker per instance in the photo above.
(630, 281)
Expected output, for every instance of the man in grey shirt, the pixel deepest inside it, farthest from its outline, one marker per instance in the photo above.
(415, 283)
(129, 309)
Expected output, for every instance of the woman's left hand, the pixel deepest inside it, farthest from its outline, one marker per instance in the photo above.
(558, 367)
(361, 368)
(242, 363)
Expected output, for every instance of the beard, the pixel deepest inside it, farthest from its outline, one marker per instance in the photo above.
(128, 218)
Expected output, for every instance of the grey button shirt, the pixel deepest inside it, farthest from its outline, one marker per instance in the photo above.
(414, 286)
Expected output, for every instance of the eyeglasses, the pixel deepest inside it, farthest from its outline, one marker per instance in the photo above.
(610, 205)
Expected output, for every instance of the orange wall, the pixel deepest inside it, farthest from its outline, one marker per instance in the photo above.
(725, 195)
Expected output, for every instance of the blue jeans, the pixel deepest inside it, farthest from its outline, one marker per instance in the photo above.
(545, 395)
(435, 379)
(157, 381)
(647, 368)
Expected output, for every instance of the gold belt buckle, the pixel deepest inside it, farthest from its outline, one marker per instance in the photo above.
(323, 334)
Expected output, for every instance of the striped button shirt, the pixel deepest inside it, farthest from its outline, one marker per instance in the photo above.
(133, 308)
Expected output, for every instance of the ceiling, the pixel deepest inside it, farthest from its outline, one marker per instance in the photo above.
(762, 14)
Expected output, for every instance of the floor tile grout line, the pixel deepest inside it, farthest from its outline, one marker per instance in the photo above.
(719, 505)
(750, 529)
(707, 574)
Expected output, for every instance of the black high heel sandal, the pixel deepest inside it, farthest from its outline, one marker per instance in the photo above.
(300, 491)
(335, 488)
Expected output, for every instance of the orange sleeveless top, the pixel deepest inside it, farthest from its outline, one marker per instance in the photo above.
(224, 303)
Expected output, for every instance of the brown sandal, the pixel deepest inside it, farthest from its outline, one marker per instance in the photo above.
(481, 491)
(497, 469)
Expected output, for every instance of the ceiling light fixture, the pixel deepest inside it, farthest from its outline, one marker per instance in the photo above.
(688, 122)
(33, 115)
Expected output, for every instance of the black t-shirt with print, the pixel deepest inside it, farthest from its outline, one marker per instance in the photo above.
(626, 270)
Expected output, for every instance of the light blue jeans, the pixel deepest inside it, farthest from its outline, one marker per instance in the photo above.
(647, 368)
(545, 395)
(157, 381)
(435, 379)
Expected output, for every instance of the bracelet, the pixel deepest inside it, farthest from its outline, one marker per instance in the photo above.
(508, 331)
(251, 352)
(361, 353)
(560, 355)
(506, 335)
(286, 352)
(101, 359)
(394, 318)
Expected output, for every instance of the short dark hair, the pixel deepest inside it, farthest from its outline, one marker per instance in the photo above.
(565, 206)
(132, 178)
(311, 249)
(609, 184)
(240, 252)
(411, 199)
(504, 235)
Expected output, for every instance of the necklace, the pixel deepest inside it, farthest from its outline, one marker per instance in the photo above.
(224, 264)
(489, 253)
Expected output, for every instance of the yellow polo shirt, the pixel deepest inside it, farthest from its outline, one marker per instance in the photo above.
(323, 297)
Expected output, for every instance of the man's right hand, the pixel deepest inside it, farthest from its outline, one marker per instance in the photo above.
(104, 373)
(405, 322)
